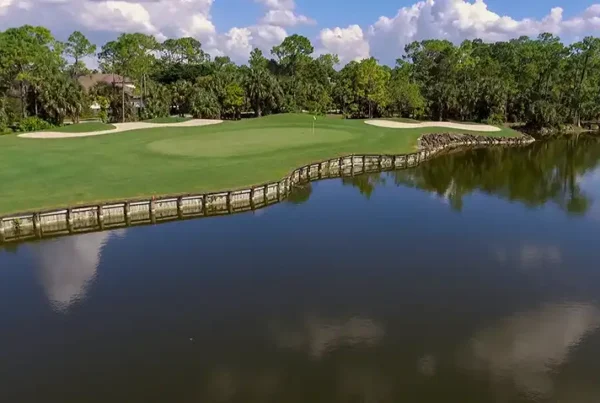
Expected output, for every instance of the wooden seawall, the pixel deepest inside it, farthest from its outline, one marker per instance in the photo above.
(75, 220)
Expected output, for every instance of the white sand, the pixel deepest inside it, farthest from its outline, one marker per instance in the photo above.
(120, 127)
(399, 125)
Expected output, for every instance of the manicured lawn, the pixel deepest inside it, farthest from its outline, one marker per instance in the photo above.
(40, 174)
(171, 119)
(84, 127)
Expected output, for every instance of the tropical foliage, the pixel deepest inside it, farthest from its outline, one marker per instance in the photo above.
(538, 82)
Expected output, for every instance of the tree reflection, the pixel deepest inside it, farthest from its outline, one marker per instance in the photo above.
(366, 183)
(544, 172)
(300, 194)
(11, 248)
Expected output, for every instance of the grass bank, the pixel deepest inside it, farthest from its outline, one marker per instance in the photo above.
(40, 174)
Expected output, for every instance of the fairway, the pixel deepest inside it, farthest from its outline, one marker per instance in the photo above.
(38, 174)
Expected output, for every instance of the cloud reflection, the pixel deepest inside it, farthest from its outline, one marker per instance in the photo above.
(526, 348)
(319, 336)
(66, 266)
(530, 255)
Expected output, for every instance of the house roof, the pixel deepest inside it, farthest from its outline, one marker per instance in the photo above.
(89, 80)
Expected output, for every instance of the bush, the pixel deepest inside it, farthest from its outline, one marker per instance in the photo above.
(157, 104)
(32, 124)
(495, 119)
(204, 105)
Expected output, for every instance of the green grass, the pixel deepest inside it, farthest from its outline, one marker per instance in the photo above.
(40, 174)
(84, 127)
(171, 119)
(249, 142)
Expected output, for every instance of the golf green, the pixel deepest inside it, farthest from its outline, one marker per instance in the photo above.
(39, 174)
(247, 142)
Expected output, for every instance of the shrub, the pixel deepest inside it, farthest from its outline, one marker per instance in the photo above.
(204, 105)
(157, 104)
(32, 124)
(495, 119)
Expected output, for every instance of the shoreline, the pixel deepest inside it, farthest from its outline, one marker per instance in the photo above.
(108, 215)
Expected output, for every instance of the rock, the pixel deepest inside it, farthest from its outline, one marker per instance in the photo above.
(439, 141)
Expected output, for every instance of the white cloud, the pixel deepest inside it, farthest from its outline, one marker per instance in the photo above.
(278, 4)
(385, 38)
(348, 43)
(237, 43)
(281, 13)
(99, 18)
(457, 20)
(114, 16)
(267, 36)
(4, 4)
(285, 18)
(102, 20)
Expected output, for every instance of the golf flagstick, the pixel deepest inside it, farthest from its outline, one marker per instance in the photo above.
(314, 119)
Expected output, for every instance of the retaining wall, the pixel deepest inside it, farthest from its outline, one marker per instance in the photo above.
(74, 220)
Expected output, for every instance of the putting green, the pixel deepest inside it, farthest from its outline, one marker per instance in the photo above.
(247, 142)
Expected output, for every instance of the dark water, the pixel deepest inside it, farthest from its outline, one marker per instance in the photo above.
(473, 278)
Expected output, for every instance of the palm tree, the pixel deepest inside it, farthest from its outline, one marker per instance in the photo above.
(75, 100)
(263, 90)
(60, 97)
(204, 103)
(180, 94)
(157, 102)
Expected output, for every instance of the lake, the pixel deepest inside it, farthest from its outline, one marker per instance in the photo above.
(471, 278)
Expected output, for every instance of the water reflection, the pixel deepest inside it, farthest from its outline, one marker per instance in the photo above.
(67, 266)
(559, 171)
(318, 336)
(591, 182)
(334, 300)
(541, 173)
(527, 348)
(530, 255)
(300, 194)
(365, 183)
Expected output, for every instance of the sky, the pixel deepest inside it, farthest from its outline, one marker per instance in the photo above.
(351, 29)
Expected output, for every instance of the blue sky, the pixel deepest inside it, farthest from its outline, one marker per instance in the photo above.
(351, 29)
(343, 12)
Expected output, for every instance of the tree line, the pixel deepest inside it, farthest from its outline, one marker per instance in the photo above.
(537, 82)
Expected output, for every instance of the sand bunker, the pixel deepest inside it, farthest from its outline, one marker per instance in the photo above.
(119, 127)
(400, 125)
